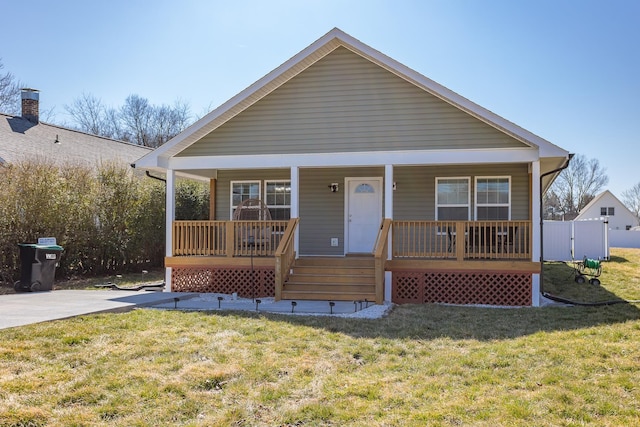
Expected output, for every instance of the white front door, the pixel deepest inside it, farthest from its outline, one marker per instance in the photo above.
(363, 213)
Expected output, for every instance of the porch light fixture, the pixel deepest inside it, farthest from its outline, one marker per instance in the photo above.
(334, 187)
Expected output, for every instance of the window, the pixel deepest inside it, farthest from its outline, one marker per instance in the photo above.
(278, 199)
(607, 211)
(493, 198)
(243, 190)
(452, 199)
(365, 188)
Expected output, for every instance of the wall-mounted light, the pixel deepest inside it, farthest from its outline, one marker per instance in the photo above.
(394, 186)
(57, 141)
(334, 187)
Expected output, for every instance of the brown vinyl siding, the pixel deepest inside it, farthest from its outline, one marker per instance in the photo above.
(345, 103)
(321, 211)
(223, 185)
(414, 197)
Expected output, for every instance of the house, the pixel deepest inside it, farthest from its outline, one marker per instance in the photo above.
(383, 186)
(606, 205)
(25, 137)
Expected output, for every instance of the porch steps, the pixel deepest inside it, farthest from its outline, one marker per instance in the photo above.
(339, 279)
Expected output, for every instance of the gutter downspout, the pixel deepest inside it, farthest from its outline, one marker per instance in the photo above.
(566, 165)
(155, 177)
(133, 165)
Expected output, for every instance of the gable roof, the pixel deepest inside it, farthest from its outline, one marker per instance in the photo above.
(21, 139)
(597, 199)
(310, 55)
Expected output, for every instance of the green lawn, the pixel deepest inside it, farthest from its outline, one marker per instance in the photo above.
(421, 365)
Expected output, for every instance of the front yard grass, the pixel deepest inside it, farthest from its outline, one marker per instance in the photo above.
(422, 365)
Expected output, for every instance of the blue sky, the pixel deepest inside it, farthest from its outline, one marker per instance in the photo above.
(566, 70)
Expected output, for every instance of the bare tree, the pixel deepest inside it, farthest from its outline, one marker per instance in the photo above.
(631, 198)
(169, 121)
(135, 121)
(9, 93)
(89, 114)
(576, 186)
(136, 114)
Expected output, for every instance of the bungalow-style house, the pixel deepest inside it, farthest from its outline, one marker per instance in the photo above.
(606, 205)
(381, 185)
(25, 137)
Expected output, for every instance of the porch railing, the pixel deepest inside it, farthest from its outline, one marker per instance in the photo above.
(456, 240)
(462, 240)
(227, 238)
(380, 254)
(285, 255)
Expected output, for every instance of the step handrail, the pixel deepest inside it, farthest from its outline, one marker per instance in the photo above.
(285, 255)
(380, 255)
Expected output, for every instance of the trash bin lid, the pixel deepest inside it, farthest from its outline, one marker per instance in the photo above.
(45, 247)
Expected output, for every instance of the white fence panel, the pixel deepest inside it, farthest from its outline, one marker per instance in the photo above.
(561, 239)
(624, 239)
(556, 237)
(590, 239)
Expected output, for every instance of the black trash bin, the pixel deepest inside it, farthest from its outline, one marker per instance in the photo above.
(37, 266)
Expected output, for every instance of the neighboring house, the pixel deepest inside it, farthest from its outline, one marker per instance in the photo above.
(26, 138)
(606, 205)
(382, 184)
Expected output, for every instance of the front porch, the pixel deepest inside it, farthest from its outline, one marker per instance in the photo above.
(463, 262)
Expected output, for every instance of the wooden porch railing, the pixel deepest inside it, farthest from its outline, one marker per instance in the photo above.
(462, 240)
(380, 254)
(227, 238)
(285, 255)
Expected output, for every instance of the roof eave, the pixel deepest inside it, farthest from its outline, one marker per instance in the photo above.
(316, 51)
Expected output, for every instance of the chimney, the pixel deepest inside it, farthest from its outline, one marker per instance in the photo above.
(31, 105)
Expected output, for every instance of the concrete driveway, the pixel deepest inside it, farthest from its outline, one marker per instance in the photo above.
(33, 307)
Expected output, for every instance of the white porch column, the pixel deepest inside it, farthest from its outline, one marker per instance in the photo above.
(388, 213)
(536, 229)
(388, 191)
(170, 214)
(295, 203)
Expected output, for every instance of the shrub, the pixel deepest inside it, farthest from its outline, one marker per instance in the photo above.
(107, 220)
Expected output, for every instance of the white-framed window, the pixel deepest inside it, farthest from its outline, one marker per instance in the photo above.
(241, 191)
(278, 198)
(493, 198)
(453, 199)
(610, 211)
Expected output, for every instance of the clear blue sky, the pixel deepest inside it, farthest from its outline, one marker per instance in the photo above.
(567, 70)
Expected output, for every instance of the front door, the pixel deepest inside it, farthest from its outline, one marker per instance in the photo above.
(363, 213)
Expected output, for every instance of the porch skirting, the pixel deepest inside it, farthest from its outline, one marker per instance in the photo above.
(462, 287)
(225, 280)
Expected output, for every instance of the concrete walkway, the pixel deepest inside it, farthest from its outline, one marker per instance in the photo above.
(214, 302)
(33, 307)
